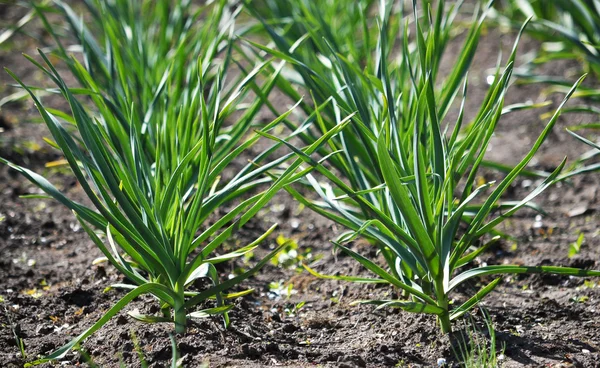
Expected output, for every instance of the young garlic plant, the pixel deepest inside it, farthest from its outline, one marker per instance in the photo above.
(405, 173)
(164, 116)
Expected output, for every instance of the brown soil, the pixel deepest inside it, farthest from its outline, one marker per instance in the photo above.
(51, 290)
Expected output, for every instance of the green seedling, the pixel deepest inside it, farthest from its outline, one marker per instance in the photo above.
(293, 311)
(575, 248)
(474, 350)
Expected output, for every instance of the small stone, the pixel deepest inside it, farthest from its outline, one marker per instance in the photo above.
(441, 362)
(538, 224)
(585, 351)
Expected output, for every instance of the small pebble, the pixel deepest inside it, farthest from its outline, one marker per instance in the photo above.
(538, 224)
(441, 362)
(585, 351)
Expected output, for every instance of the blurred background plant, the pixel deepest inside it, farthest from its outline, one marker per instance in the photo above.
(568, 30)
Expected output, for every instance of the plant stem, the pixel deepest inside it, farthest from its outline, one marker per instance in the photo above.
(444, 318)
(179, 317)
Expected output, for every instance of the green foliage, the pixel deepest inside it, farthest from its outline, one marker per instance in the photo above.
(575, 247)
(138, 349)
(403, 173)
(293, 310)
(472, 349)
(21, 345)
(16, 331)
(167, 98)
(580, 299)
(158, 116)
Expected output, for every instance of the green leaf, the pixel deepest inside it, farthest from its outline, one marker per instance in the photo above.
(469, 304)
(60, 353)
(512, 269)
(413, 307)
(208, 312)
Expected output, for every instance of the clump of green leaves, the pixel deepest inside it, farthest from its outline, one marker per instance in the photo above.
(163, 118)
(405, 172)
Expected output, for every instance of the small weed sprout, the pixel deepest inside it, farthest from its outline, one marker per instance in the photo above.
(575, 247)
(474, 350)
